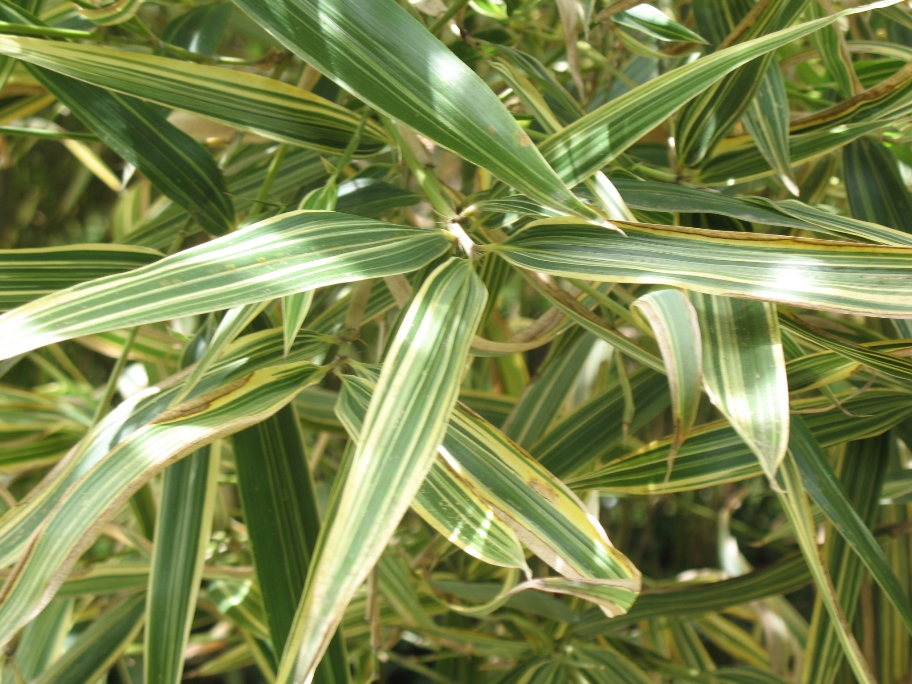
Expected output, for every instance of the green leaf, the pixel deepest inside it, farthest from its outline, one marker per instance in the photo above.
(295, 308)
(595, 428)
(233, 322)
(816, 274)
(838, 64)
(715, 454)
(175, 163)
(377, 51)
(536, 505)
(243, 100)
(824, 487)
(687, 599)
(42, 640)
(654, 196)
(199, 29)
(444, 500)
(874, 187)
(283, 520)
(99, 646)
(403, 426)
(744, 369)
(863, 468)
(240, 601)
(742, 161)
(797, 509)
(868, 355)
(677, 330)
(653, 22)
(288, 253)
(584, 146)
(767, 121)
(72, 525)
(31, 273)
(704, 121)
(541, 401)
(182, 531)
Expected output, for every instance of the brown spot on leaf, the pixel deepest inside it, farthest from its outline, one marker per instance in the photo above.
(200, 403)
(544, 490)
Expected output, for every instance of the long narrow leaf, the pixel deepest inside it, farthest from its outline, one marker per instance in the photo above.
(247, 101)
(813, 273)
(377, 51)
(824, 487)
(68, 530)
(744, 368)
(677, 330)
(406, 420)
(283, 519)
(289, 253)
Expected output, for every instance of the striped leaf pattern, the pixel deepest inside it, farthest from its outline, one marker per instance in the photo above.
(542, 512)
(455, 340)
(802, 272)
(261, 105)
(67, 531)
(288, 253)
(27, 274)
(744, 370)
(416, 387)
(393, 74)
(675, 322)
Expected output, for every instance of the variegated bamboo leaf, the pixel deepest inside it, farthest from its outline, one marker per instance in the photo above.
(817, 274)
(402, 70)
(285, 254)
(444, 500)
(582, 148)
(27, 274)
(677, 329)
(247, 101)
(538, 507)
(417, 389)
(96, 496)
(744, 371)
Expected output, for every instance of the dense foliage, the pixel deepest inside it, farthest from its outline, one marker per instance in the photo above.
(341, 336)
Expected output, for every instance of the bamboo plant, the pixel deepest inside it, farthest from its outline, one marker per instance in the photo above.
(507, 341)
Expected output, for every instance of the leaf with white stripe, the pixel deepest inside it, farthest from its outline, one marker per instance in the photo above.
(875, 189)
(744, 371)
(74, 523)
(265, 106)
(288, 253)
(677, 330)
(96, 649)
(536, 505)
(767, 121)
(818, 274)
(406, 421)
(377, 51)
(444, 501)
(584, 146)
(825, 488)
(27, 274)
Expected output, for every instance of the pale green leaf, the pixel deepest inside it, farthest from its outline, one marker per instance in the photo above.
(677, 330)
